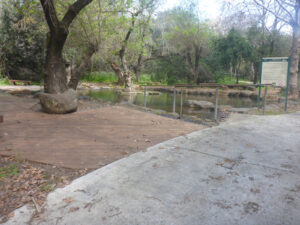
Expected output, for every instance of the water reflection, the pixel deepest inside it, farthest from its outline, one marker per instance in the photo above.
(164, 101)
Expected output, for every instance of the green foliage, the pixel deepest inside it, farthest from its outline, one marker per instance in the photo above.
(169, 70)
(233, 49)
(266, 44)
(188, 39)
(102, 77)
(145, 79)
(21, 40)
(167, 43)
(8, 171)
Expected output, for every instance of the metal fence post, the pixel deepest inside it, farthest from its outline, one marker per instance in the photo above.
(145, 103)
(174, 100)
(265, 99)
(216, 104)
(259, 85)
(181, 103)
(287, 86)
(259, 96)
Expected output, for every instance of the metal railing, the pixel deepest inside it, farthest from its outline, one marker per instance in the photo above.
(216, 103)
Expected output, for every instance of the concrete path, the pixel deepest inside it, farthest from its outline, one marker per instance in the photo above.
(244, 172)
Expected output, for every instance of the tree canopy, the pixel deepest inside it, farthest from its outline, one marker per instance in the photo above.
(135, 40)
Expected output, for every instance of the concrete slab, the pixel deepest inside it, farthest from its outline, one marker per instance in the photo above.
(245, 172)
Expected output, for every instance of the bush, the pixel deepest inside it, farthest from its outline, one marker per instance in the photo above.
(21, 42)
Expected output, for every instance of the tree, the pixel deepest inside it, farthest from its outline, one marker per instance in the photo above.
(288, 13)
(130, 40)
(21, 40)
(141, 44)
(266, 43)
(84, 39)
(126, 75)
(183, 33)
(55, 71)
(122, 72)
(232, 50)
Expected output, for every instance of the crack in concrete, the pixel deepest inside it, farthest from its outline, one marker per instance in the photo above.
(239, 160)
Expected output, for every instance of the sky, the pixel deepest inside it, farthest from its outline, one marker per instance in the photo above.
(210, 8)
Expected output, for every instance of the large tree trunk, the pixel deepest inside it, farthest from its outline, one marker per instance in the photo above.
(128, 80)
(126, 72)
(55, 70)
(79, 70)
(293, 84)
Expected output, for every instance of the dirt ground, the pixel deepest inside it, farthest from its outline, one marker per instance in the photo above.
(90, 138)
(23, 182)
(40, 152)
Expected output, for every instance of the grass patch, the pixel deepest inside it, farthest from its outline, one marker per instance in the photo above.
(149, 80)
(228, 81)
(47, 187)
(272, 113)
(102, 77)
(4, 81)
(8, 171)
(145, 80)
(46, 176)
(41, 83)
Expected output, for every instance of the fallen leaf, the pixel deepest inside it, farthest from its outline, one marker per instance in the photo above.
(68, 200)
(73, 209)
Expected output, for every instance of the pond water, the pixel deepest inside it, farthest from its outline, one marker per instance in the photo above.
(164, 101)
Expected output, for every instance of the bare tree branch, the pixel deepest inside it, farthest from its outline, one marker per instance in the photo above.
(285, 9)
(289, 4)
(272, 12)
